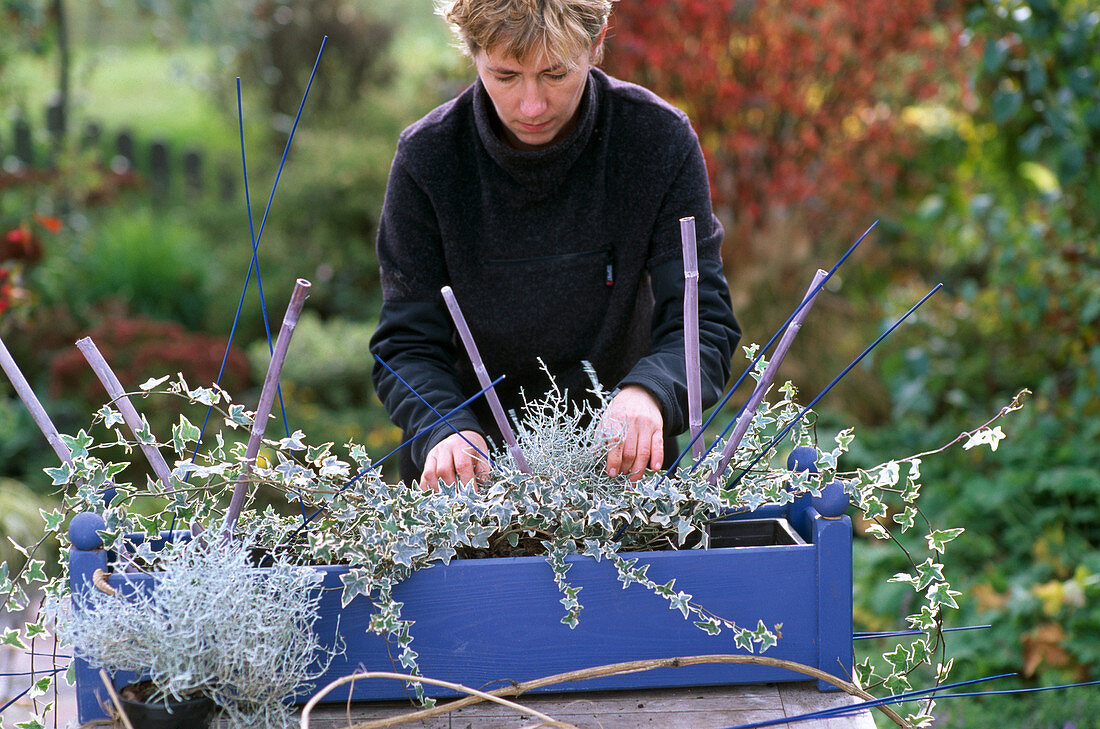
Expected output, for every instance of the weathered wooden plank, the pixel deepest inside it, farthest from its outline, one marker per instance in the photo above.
(679, 708)
(803, 698)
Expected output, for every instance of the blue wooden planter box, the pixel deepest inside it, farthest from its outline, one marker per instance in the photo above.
(485, 622)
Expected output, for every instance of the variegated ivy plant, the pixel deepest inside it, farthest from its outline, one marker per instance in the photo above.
(567, 506)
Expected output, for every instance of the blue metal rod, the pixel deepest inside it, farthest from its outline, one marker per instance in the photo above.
(764, 451)
(902, 633)
(444, 417)
(778, 332)
(34, 673)
(27, 690)
(901, 698)
(863, 705)
(255, 239)
(423, 431)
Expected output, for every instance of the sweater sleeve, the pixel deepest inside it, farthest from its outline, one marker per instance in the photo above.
(415, 334)
(663, 371)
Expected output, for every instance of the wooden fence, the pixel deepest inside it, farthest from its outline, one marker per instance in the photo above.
(155, 166)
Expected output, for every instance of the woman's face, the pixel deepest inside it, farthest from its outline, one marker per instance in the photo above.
(536, 98)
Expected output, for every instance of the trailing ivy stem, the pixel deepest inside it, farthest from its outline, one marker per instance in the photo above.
(267, 399)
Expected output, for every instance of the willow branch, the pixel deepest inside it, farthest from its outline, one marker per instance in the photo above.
(475, 695)
(616, 669)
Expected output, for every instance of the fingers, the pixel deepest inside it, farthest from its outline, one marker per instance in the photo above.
(657, 450)
(455, 460)
(635, 418)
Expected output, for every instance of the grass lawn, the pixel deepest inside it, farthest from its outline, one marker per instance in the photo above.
(168, 96)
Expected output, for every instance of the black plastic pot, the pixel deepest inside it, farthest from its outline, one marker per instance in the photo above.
(190, 714)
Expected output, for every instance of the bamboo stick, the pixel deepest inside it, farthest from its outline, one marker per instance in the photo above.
(30, 401)
(129, 413)
(267, 399)
(769, 375)
(484, 380)
(691, 334)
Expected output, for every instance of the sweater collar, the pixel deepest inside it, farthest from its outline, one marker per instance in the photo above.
(543, 168)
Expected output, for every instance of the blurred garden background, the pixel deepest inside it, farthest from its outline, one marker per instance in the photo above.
(970, 130)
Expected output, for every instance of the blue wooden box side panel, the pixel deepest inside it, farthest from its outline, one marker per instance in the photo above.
(487, 621)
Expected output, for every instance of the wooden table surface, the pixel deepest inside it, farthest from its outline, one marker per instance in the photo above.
(682, 708)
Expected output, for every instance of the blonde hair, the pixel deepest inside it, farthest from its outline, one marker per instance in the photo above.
(561, 29)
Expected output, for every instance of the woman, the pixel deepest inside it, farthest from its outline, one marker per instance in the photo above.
(548, 196)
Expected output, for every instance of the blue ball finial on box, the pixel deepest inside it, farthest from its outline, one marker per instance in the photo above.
(833, 501)
(84, 531)
(802, 458)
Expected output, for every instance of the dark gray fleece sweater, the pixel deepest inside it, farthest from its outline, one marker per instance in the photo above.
(570, 254)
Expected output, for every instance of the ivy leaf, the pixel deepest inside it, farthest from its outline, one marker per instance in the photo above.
(53, 519)
(929, 572)
(237, 416)
(743, 639)
(679, 601)
(203, 396)
(183, 433)
(408, 658)
(985, 436)
(600, 514)
(110, 416)
(924, 620)
(899, 658)
(906, 518)
(294, 442)
(144, 434)
(941, 595)
(938, 538)
(873, 508)
(404, 553)
(356, 582)
(11, 637)
(897, 683)
(78, 444)
(878, 531)
(764, 637)
(153, 383)
(904, 577)
(710, 626)
(34, 572)
(61, 475)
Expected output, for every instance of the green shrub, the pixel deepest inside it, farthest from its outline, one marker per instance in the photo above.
(155, 261)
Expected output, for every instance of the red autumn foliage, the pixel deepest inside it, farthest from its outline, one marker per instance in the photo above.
(20, 244)
(138, 348)
(796, 103)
